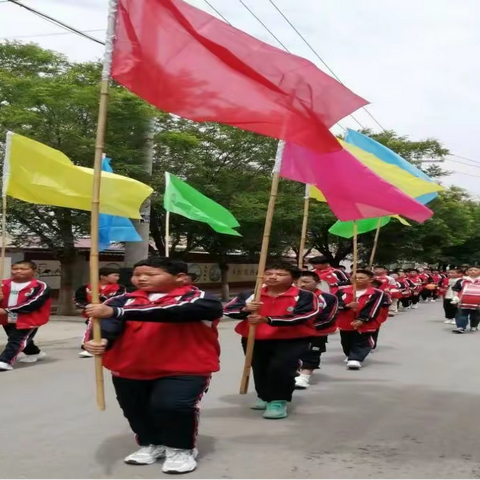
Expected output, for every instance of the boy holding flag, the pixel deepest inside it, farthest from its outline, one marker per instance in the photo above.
(284, 320)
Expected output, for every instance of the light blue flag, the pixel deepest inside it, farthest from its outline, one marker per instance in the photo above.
(112, 228)
(389, 156)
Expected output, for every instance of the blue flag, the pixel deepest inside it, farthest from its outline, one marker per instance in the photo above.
(112, 228)
(389, 156)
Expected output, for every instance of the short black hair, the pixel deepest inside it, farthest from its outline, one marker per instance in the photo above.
(309, 273)
(376, 283)
(473, 266)
(288, 267)
(369, 273)
(458, 270)
(31, 264)
(412, 270)
(169, 265)
(106, 271)
(318, 260)
(381, 266)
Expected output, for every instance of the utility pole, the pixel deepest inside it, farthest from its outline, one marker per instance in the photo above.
(136, 251)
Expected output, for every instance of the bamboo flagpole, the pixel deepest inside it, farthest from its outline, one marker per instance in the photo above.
(167, 234)
(261, 266)
(303, 238)
(375, 243)
(5, 179)
(97, 177)
(355, 258)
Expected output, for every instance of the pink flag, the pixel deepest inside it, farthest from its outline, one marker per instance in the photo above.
(352, 190)
(184, 61)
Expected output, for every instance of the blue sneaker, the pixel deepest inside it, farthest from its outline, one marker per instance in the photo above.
(276, 410)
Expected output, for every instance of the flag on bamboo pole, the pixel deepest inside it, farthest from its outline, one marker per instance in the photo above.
(184, 200)
(112, 228)
(389, 156)
(345, 229)
(36, 173)
(410, 184)
(185, 61)
(352, 190)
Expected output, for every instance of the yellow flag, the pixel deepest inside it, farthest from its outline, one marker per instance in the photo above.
(402, 220)
(403, 180)
(36, 173)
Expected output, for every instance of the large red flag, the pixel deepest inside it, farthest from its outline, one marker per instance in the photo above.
(184, 61)
(352, 190)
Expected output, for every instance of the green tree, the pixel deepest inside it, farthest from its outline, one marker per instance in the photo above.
(55, 102)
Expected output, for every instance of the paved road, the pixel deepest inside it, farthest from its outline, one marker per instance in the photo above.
(411, 412)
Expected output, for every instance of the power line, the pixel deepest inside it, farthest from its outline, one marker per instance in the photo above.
(264, 26)
(464, 158)
(216, 11)
(52, 34)
(321, 59)
(463, 163)
(56, 22)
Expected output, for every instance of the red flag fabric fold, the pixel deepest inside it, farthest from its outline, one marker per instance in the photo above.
(184, 61)
(351, 189)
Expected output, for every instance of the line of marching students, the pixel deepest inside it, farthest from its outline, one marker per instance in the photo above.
(160, 341)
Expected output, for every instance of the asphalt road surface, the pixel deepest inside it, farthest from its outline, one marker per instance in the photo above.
(413, 411)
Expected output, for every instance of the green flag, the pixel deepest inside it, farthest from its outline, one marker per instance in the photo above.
(345, 229)
(183, 199)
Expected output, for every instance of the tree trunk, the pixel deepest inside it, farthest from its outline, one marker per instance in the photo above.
(225, 286)
(65, 300)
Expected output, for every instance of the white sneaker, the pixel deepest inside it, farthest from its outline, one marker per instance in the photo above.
(146, 455)
(302, 382)
(453, 322)
(346, 360)
(5, 367)
(180, 461)
(448, 322)
(415, 306)
(85, 354)
(31, 358)
(459, 330)
(432, 300)
(354, 365)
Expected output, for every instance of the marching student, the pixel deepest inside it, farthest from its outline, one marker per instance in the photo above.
(467, 312)
(359, 317)
(446, 290)
(161, 344)
(416, 286)
(381, 274)
(333, 276)
(25, 306)
(108, 288)
(324, 325)
(405, 286)
(284, 319)
(385, 310)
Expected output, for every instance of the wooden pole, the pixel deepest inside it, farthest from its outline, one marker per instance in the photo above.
(355, 258)
(97, 177)
(167, 234)
(261, 269)
(303, 238)
(375, 243)
(4, 236)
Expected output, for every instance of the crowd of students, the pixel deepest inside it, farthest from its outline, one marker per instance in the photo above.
(160, 341)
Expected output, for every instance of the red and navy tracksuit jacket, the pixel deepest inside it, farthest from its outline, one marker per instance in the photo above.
(162, 334)
(33, 305)
(458, 287)
(372, 305)
(334, 277)
(290, 315)
(325, 323)
(416, 281)
(83, 295)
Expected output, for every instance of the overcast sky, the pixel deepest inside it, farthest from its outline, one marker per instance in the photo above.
(416, 61)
